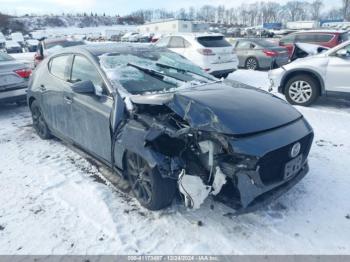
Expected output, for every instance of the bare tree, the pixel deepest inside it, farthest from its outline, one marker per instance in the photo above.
(294, 9)
(346, 9)
(316, 7)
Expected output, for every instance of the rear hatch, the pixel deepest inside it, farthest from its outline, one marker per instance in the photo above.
(217, 49)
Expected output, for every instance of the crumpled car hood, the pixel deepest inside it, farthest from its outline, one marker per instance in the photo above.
(239, 110)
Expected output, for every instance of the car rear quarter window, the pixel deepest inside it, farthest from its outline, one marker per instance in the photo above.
(58, 66)
(213, 41)
(344, 37)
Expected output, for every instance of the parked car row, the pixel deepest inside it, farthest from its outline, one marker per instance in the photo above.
(17, 43)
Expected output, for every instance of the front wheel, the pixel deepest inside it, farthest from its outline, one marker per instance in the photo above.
(302, 90)
(151, 190)
(39, 123)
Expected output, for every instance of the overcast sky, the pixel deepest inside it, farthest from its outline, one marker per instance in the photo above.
(121, 7)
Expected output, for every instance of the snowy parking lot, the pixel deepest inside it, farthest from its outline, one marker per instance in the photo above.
(54, 202)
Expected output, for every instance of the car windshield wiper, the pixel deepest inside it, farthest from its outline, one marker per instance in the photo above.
(183, 70)
(154, 72)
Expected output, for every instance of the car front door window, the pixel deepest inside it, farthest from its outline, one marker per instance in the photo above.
(84, 70)
(90, 114)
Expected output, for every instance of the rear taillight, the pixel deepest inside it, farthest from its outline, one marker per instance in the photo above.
(24, 73)
(206, 51)
(270, 53)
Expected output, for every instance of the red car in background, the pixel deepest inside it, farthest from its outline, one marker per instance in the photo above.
(326, 38)
(47, 46)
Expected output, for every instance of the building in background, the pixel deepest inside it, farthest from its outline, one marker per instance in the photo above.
(174, 26)
(302, 25)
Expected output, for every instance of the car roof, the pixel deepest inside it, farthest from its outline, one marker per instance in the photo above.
(98, 49)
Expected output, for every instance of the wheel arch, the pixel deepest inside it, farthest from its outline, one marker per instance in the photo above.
(31, 100)
(308, 72)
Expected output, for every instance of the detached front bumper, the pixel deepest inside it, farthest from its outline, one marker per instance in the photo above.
(264, 171)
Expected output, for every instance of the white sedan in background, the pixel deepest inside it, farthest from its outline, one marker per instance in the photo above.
(209, 51)
(305, 79)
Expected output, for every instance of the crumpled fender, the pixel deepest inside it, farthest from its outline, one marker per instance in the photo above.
(132, 137)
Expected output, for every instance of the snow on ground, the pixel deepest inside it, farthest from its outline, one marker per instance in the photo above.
(52, 201)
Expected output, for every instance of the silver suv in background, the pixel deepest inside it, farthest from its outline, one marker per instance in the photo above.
(211, 52)
(305, 79)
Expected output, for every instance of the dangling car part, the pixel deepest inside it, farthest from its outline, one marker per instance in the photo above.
(302, 50)
(166, 125)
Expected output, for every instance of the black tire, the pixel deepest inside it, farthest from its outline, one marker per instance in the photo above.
(39, 123)
(252, 63)
(310, 90)
(150, 189)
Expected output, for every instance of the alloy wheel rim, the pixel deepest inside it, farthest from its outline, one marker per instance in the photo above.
(139, 178)
(251, 64)
(300, 91)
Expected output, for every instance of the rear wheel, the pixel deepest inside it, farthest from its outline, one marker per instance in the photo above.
(252, 63)
(302, 90)
(39, 123)
(147, 185)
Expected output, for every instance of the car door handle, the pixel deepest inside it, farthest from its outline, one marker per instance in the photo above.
(42, 88)
(68, 100)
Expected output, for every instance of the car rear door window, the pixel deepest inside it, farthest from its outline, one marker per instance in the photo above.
(213, 41)
(58, 66)
(163, 42)
(323, 38)
(177, 42)
(243, 45)
(84, 70)
(289, 39)
(306, 38)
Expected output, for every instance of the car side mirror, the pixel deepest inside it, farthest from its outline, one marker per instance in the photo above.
(342, 53)
(84, 87)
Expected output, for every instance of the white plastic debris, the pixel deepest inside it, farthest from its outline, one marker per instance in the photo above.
(219, 181)
(194, 190)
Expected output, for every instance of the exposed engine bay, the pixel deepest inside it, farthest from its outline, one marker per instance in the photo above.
(182, 143)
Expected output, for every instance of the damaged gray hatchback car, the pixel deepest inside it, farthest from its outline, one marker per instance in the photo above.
(167, 126)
